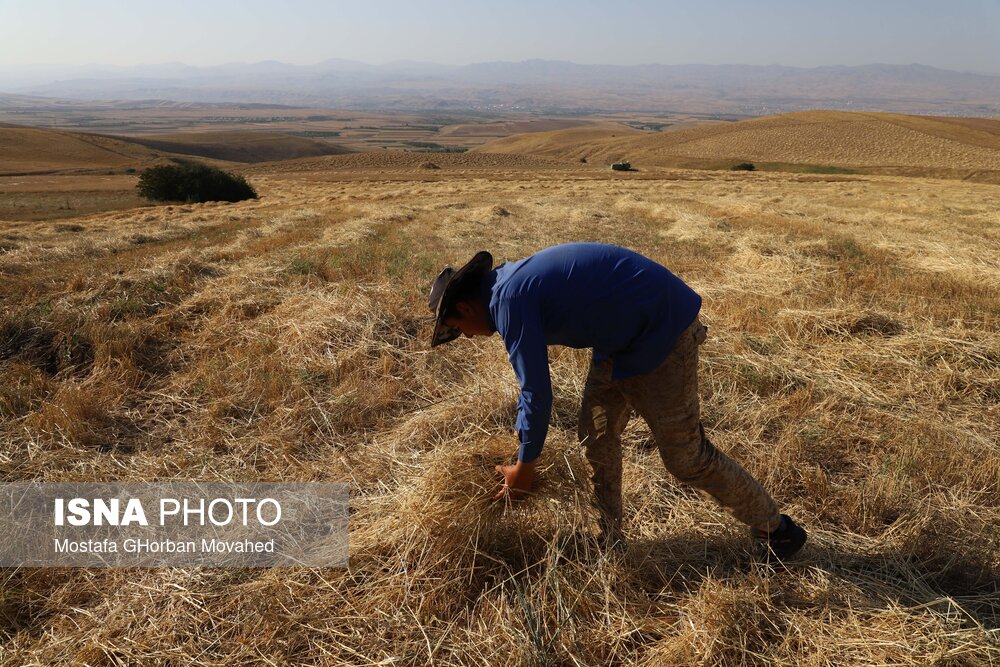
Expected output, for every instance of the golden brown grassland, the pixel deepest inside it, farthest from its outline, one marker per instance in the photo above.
(853, 365)
(811, 141)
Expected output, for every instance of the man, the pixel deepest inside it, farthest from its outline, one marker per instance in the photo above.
(642, 323)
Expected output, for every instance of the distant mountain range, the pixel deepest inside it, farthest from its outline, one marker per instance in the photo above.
(532, 85)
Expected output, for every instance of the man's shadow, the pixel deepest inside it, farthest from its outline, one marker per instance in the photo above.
(955, 584)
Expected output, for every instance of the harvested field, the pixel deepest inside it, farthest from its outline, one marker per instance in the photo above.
(246, 146)
(850, 142)
(25, 150)
(55, 197)
(839, 139)
(401, 160)
(505, 128)
(852, 365)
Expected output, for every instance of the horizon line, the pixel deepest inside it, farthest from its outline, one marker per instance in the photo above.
(486, 62)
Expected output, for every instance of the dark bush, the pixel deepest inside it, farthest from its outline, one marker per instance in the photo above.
(744, 166)
(193, 183)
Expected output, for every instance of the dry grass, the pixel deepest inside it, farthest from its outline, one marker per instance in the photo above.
(237, 146)
(852, 365)
(824, 138)
(406, 161)
(53, 197)
(508, 127)
(28, 150)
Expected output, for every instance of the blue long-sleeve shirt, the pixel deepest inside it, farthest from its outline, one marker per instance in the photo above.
(623, 305)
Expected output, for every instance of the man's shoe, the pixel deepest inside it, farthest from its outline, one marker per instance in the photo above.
(783, 542)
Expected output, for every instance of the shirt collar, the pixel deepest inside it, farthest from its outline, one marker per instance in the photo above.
(486, 290)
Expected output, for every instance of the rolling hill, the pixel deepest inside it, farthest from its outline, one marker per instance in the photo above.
(852, 140)
(29, 150)
(237, 146)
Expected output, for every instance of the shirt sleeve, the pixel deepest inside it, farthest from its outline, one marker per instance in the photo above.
(519, 322)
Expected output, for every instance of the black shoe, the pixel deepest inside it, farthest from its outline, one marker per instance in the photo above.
(783, 542)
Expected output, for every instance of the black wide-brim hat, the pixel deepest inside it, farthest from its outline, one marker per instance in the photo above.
(444, 289)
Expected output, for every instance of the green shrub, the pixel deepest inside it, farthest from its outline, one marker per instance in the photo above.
(193, 183)
(744, 166)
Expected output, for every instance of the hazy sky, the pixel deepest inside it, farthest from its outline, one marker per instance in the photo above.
(953, 34)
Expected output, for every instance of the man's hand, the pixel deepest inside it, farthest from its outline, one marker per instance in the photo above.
(518, 479)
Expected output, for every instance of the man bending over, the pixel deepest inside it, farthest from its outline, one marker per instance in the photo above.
(642, 323)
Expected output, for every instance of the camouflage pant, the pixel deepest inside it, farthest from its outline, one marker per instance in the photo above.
(667, 398)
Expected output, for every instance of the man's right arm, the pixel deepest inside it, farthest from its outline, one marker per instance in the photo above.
(520, 324)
